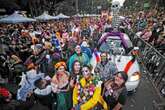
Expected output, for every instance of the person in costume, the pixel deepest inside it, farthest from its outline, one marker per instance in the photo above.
(60, 66)
(78, 55)
(87, 91)
(27, 82)
(105, 68)
(76, 72)
(61, 87)
(114, 91)
(86, 48)
(43, 91)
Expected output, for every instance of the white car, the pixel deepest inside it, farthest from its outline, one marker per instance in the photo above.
(119, 46)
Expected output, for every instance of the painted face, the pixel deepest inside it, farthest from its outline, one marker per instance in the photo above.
(119, 79)
(86, 72)
(103, 57)
(77, 66)
(78, 49)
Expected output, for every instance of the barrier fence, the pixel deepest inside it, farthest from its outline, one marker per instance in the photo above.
(153, 62)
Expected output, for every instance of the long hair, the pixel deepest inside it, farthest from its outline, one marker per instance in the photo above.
(74, 64)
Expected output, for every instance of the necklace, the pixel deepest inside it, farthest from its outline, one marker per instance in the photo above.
(86, 88)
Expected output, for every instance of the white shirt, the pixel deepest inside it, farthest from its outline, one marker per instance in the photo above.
(45, 91)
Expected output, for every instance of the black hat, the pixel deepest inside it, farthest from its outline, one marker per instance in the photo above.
(124, 75)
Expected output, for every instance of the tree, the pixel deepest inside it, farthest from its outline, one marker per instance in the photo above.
(36, 7)
(9, 5)
(90, 6)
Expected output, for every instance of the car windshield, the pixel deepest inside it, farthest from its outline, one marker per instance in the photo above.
(113, 45)
(114, 42)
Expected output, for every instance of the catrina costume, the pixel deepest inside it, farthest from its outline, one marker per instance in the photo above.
(60, 86)
(87, 94)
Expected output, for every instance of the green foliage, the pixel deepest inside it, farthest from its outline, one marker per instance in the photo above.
(91, 6)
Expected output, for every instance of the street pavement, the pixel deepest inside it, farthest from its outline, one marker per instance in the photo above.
(143, 98)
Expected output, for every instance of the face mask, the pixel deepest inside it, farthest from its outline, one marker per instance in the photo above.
(43, 40)
(103, 58)
(48, 57)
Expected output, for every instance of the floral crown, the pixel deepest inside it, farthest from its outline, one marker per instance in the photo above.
(61, 63)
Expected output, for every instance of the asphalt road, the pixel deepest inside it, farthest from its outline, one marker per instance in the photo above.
(143, 98)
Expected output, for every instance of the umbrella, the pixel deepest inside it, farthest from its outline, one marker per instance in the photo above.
(45, 16)
(16, 18)
(62, 16)
(92, 15)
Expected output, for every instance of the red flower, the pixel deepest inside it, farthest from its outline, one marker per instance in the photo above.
(4, 92)
(92, 87)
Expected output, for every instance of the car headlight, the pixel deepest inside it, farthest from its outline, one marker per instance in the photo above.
(135, 76)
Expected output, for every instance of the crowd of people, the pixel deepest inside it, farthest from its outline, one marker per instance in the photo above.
(150, 26)
(50, 64)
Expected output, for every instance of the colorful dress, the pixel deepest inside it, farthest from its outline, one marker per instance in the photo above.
(60, 86)
(87, 94)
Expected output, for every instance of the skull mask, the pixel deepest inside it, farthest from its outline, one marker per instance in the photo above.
(115, 6)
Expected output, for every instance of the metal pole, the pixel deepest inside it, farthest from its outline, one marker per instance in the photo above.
(77, 10)
(92, 7)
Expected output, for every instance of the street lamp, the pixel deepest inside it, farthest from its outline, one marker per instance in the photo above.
(98, 8)
(77, 10)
